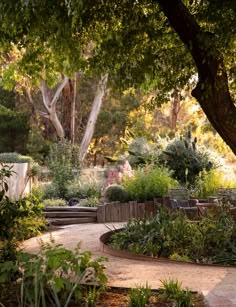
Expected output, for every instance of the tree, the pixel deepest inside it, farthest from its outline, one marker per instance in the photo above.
(134, 41)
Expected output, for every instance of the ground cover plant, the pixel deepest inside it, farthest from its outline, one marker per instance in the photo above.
(172, 235)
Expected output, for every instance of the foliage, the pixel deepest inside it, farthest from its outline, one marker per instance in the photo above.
(5, 172)
(37, 146)
(208, 183)
(186, 161)
(13, 157)
(139, 296)
(148, 183)
(14, 130)
(91, 201)
(172, 289)
(62, 160)
(141, 152)
(115, 192)
(50, 191)
(55, 274)
(83, 189)
(19, 220)
(56, 202)
(170, 233)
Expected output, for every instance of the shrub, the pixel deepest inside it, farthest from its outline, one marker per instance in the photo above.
(50, 190)
(208, 183)
(61, 162)
(19, 220)
(185, 160)
(149, 183)
(13, 157)
(115, 193)
(80, 189)
(54, 202)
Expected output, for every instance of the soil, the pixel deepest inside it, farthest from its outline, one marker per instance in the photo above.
(113, 297)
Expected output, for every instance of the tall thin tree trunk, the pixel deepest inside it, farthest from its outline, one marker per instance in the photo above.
(96, 107)
(67, 101)
(175, 108)
(73, 108)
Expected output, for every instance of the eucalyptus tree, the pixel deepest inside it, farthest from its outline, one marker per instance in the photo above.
(41, 49)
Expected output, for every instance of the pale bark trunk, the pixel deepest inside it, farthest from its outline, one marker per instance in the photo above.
(96, 107)
(73, 110)
(50, 106)
(175, 108)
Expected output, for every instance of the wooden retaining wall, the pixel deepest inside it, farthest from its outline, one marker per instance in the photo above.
(122, 212)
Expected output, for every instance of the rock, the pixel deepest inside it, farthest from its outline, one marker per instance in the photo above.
(73, 202)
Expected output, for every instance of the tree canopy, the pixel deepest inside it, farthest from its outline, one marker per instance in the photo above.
(157, 44)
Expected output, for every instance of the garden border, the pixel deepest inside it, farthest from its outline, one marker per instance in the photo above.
(104, 238)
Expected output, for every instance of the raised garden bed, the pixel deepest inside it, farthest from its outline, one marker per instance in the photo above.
(108, 249)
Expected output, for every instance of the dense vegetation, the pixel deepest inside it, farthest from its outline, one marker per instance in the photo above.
(172, 235)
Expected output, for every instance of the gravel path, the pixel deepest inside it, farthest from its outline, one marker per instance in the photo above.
(218, 284)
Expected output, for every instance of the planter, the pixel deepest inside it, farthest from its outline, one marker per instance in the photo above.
(18, 184)
(105, 238)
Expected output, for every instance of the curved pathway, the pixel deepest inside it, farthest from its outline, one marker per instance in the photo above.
(218, 284)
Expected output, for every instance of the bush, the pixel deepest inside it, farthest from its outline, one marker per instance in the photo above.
(185, 160)
(54, 202)
(50, 191)
(80, 189)
(13, 157)
(149, 183)
(208, 183)
(62, 161)
(19, 220)
(115, 193)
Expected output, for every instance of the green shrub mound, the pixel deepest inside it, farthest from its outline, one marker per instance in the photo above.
(115, 192)
(13, 157)
(172, 235)
(148, 183)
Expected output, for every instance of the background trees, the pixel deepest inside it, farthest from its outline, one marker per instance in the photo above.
(156, 46)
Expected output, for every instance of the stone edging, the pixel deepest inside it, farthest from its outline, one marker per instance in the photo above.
(104, 238)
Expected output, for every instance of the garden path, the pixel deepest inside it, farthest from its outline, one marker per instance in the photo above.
(218, 284)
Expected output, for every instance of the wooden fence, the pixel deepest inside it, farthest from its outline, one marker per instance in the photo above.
(122, 212)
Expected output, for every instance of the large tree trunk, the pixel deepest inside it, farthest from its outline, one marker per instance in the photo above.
(67, 100)
(73, 108)
(212, 91)
(97, 103)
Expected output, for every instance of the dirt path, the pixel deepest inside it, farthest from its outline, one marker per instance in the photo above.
(218, 284)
